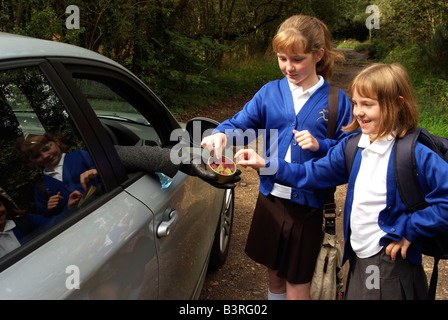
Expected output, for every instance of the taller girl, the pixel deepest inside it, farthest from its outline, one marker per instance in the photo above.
(285, 234)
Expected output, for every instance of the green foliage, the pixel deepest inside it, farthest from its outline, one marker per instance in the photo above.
(176, 47)
(349, 20)
(433, 101)
(192, 52)
(410, 57)
(435, 51)
(231, 80)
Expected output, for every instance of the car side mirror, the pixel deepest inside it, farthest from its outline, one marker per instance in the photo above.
(198, 128)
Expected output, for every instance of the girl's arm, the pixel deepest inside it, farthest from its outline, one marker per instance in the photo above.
(326, 172)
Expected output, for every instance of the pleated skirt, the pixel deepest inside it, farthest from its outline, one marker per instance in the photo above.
(380, 278)
(286, 237)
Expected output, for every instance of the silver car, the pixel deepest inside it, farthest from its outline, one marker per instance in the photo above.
(143, 235)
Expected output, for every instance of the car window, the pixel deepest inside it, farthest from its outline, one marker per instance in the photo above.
(118, 114)
(37, 133)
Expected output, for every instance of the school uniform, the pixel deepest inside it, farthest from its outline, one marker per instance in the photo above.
(18, 229)
(286, 228)
(389, 220)
(65, 179)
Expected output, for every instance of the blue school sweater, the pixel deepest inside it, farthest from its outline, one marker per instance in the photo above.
(272, 109)
(75, 163)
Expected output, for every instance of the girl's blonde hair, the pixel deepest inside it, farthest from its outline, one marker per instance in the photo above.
(306, 34)
(390, 85)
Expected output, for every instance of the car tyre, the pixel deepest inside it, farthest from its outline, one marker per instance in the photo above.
(221, 244)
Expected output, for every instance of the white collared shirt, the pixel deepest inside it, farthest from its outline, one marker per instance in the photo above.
(299, 97)
(57, 173)
(369, 196)
(8, 240)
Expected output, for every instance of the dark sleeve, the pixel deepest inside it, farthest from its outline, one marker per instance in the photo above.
(147, 158)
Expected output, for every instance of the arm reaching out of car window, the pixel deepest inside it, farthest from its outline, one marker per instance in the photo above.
(156, 159)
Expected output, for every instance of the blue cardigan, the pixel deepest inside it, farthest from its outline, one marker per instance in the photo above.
(394, 219)
(26, 224)
(75, 163)
(272, 109)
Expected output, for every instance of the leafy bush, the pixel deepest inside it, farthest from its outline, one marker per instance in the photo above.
(432, 97)
(436, 51)
(231, 80)
(377, 49)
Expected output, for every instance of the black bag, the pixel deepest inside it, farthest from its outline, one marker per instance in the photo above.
(327, 281)
(409, 186)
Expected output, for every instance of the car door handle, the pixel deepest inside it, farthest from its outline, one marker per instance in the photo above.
(165, 227)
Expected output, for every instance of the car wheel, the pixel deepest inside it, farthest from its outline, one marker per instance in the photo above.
(221, 244)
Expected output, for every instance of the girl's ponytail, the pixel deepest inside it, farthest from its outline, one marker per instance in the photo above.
(325, 66)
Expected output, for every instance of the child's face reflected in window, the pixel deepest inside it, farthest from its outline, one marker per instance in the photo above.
(47, 156)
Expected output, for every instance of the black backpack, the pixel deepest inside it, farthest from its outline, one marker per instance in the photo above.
(409, 186)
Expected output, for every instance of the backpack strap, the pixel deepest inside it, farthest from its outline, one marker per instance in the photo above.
(350, 150)
(406, 173)
(329, 209)
(333, 105)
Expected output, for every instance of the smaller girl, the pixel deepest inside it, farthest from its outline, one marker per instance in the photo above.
(382, 239)
(62, 172)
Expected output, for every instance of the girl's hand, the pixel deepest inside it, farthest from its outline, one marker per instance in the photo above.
(53, 201)
(249, 158)
(86, 177)
(393, 248)
(215, 142)
(306, 140)
(74, 198)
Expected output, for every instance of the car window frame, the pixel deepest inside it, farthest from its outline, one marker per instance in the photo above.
(67, 66)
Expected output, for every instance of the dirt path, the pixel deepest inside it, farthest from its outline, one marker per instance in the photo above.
(241, 278)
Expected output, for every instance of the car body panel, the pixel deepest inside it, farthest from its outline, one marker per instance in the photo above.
(87, 245)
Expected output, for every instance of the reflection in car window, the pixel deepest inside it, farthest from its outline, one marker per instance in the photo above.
(123, 122)
(30, 113)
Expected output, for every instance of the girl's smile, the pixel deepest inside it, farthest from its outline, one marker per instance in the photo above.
(363, 123)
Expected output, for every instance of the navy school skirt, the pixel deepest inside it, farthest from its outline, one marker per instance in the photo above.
(286, 237)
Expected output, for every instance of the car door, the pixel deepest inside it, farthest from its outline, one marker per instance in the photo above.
(186, 209)
(95, 251)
